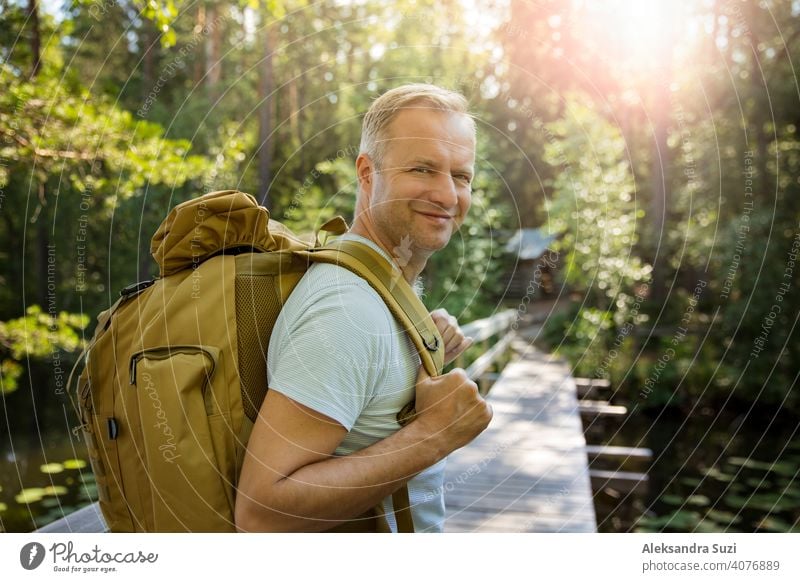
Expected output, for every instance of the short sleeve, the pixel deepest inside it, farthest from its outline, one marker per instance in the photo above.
(326, 347)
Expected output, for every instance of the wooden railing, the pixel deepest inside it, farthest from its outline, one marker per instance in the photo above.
(89, 519)
(482, 331)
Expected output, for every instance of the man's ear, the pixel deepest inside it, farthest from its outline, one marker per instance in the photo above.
(365, 167)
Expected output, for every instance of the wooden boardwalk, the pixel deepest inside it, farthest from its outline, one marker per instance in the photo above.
(528, 472)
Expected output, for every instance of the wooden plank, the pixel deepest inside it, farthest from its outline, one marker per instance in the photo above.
(600, 383)
(601, 408)
(88, 519)
(592, 387)
(518, 522)
(622, 481)
(624, 453)
(528, 471)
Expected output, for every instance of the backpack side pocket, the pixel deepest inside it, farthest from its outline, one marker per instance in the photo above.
(176, 407)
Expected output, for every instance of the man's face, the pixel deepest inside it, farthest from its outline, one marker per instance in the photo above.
(421, 193)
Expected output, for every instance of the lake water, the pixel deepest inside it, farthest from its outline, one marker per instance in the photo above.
(710, 472)
(44, 469)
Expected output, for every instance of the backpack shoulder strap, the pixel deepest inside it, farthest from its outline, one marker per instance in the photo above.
(387, 280)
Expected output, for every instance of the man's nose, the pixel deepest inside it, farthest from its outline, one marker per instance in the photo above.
(445, 191)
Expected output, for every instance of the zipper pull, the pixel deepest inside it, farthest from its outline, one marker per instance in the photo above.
(132, 370)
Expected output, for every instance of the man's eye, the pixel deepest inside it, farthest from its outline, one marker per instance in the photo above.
(422, 170)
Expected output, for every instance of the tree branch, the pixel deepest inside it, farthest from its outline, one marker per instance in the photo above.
(48, 153)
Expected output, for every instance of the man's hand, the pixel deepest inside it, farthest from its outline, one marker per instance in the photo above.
(451, 408)
(454, 341)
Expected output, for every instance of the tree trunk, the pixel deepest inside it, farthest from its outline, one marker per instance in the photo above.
(41, 244)
(757, 113)
(659, 163)
(145, 266)
(265, 98)
(213, 53)
(36, 41)
(661, 159)
(148, 65)
(200, 61)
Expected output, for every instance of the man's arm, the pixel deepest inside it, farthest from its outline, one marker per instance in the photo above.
(291, 482)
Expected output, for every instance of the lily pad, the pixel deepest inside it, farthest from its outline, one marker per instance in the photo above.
(74, 464)
(771, 502)
(786, 469)
(681, 520)
(792, 490)
(31, 495)
(736, 501)
(89, 492)
(750, 463)
(3, 506)
(51, 468)
(723, 517)
(715, 473)
(698, 500)
(708, 526)
(774, 524)
(56, 490)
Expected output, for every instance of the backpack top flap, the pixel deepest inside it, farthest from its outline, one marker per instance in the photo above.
(199, 228)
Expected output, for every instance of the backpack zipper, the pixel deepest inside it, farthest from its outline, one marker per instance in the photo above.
(166, 352)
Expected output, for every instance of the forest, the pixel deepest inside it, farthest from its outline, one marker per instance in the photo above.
(656, 142)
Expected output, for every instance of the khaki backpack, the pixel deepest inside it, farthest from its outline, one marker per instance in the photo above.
(175, 374)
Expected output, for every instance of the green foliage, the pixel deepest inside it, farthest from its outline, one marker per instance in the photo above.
(594, 206)
(763, 299)
(162, 14)
(36, 335)
(72, 161)
(582, 337)
(329, 190)
(594, 209)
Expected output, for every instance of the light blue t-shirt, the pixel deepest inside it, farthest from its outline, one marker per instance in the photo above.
(337, 349)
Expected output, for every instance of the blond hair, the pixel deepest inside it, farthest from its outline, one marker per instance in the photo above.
(386, 107)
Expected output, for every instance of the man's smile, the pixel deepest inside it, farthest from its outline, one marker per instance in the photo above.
(439, 217)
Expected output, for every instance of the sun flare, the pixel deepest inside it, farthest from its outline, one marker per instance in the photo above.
(636, 31)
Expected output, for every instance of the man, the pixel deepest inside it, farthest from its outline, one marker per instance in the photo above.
(326, 447)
